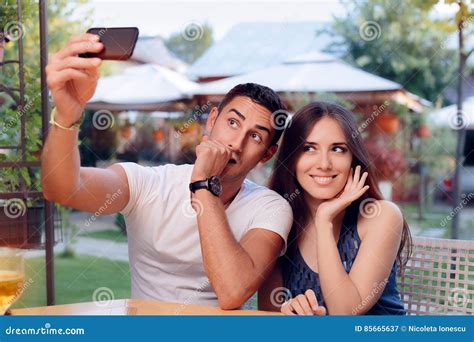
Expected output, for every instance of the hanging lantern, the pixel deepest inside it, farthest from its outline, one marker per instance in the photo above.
(158, 135)
(388, 123)
(423, 131)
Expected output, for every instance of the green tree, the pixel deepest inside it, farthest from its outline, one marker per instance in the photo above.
(397, 40)
(191, 43)
(60, 28)
(460, 24)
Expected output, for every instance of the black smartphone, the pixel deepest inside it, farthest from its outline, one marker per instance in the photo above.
(119, 42)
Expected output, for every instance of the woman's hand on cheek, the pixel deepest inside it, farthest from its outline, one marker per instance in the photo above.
(353, 189)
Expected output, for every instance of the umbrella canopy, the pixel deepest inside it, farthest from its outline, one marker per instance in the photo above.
(144, 84)
(311, 72)
(447, 116)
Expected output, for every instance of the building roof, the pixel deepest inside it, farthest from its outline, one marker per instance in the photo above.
(252, 46)
(309, 72)
(152, 50)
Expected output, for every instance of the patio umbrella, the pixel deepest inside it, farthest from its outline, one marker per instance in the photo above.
(447, 116)
(144, 85)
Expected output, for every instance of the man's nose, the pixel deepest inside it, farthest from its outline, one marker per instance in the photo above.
(237, 143)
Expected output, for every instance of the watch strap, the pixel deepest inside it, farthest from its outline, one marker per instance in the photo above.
(202, 184)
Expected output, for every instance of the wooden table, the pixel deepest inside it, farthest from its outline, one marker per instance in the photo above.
(122, 307)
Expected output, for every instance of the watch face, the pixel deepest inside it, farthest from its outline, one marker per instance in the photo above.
(215, 185)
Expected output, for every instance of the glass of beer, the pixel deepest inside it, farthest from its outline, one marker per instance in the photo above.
(12, 276)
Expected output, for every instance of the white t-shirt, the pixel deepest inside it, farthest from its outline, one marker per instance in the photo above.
(163, 237)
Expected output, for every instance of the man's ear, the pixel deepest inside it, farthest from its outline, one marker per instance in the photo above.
(211, 119)
(269, 153)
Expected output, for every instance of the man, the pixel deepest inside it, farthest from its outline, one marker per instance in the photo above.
(218, 254)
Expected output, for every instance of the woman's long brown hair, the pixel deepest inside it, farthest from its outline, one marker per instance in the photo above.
(283, 179)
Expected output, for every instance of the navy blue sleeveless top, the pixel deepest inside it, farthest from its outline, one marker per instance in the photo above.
(299, 277)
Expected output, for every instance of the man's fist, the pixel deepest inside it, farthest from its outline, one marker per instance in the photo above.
(212, 158)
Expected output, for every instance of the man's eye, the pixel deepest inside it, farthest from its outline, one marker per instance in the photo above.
(256, 137)
(232, 123)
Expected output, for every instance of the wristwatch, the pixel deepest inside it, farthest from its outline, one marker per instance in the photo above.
(212, 184)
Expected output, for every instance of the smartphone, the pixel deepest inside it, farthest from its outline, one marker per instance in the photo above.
(119, 42)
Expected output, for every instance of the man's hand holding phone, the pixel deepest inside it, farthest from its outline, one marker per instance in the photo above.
(72, 79)
(72, 73)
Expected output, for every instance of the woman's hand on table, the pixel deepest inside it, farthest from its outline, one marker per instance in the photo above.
(303, 304)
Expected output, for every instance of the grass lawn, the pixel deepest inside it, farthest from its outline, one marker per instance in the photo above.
(76, 279)
(434, 217)
(109, 234)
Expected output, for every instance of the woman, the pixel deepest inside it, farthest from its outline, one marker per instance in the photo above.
(346, 241)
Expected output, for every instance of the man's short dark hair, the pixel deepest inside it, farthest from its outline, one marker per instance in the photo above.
(263, 96)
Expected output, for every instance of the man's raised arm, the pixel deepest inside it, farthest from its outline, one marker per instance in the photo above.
(72, 81)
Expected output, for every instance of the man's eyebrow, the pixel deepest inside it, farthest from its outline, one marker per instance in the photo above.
(238, 113)
(260, 127)
(263, 128)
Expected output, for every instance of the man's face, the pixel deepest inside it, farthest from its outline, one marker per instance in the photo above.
(245, 127)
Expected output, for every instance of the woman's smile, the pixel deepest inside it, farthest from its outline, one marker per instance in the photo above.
(323, 180)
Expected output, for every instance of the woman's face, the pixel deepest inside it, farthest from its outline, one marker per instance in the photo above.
(323, 167)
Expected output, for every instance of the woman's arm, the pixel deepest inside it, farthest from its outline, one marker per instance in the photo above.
(357, 292)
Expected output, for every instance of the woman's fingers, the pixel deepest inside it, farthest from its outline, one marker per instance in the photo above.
(363, 179)
(320, 311)
(355, 179)
(313, 301)
(304, 303)
(298, 305)
(295, 306)
(286, 309)
(359, 193)
(349, 180)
